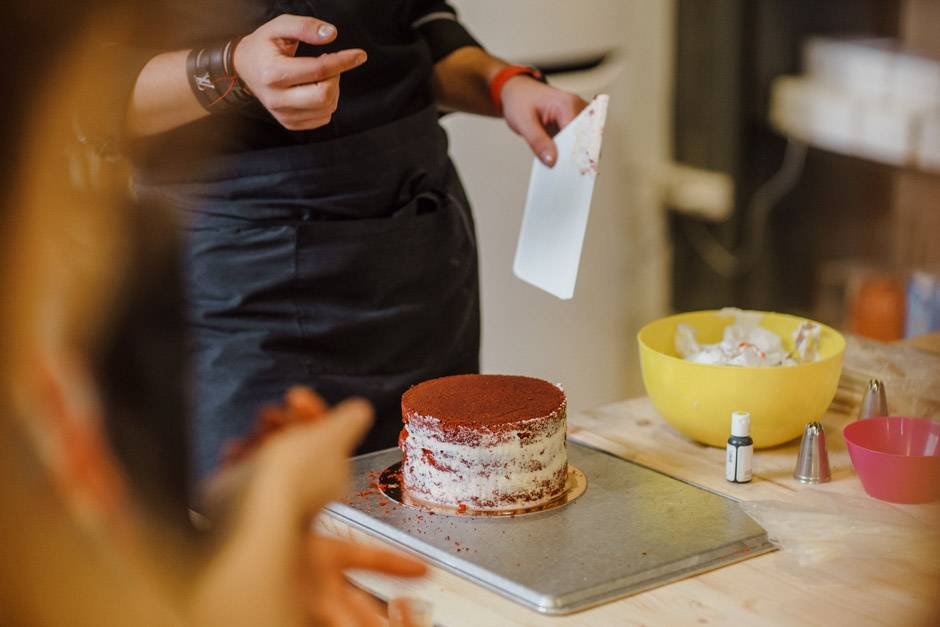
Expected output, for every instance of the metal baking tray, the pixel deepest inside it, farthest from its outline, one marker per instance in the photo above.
(632, 530)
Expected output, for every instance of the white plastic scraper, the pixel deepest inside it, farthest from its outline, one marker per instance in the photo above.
(557, 207)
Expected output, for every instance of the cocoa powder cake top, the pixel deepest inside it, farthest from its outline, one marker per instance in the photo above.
(482, 399)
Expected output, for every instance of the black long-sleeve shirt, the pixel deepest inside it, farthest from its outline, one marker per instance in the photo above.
(403, 39)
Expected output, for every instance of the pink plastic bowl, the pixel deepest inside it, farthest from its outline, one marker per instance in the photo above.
(897, 458)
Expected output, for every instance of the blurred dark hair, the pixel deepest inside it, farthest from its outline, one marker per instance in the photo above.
(140, 365)
(33, 33)
(141, 369)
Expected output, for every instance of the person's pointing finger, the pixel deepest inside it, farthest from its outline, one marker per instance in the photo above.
(304, 70)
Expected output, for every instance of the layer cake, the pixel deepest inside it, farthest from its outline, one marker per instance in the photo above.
(484, 442)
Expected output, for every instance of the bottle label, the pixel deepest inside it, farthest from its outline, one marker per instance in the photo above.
(738, 463)
(745, 453)
(731, 459)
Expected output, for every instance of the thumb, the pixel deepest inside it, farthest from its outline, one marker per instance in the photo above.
(297, 28)
(347, 424)
(538, 139)
(304, 405)
(569, 111)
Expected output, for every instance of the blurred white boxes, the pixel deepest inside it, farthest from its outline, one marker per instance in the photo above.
(863, 97)
(815, 113)
(887, 134)
(928, 145)
(860, 67)
(916, 82)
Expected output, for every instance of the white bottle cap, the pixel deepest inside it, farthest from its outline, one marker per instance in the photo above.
(740, 424)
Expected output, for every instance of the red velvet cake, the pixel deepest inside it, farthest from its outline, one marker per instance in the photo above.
(484, 442)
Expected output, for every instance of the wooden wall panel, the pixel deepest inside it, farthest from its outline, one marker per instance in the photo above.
(917, 195)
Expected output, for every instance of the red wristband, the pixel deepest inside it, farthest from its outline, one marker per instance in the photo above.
(496, 85)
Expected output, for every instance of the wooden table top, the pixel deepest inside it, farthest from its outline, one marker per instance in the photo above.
(845, 558)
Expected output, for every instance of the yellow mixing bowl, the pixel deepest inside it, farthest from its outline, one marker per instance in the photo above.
(698, 399)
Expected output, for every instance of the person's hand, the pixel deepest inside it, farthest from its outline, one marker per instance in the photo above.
(301, 93)
(302, 440)
(301, 405)
(295, 576)
(537, 111)
(309, 458)
(286, 448)
(221, 489)
(332, 599)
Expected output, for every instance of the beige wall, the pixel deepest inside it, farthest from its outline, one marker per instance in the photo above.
(587, 344)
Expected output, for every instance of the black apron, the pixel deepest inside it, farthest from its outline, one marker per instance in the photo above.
(348, 265)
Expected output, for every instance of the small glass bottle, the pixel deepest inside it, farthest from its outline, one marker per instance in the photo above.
(740, 449)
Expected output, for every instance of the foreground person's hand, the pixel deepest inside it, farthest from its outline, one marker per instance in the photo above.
(222, 489)
(301, 405)
(271, 570)
(332, 599)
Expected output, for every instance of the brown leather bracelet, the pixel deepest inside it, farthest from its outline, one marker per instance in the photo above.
(213, 79)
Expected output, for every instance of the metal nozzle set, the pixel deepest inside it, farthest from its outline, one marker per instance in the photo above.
(812, 465)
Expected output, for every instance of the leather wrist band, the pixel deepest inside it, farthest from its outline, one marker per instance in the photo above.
(499, 81)
(240, 91)
(213, 79)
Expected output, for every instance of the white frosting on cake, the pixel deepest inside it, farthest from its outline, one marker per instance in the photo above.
(503, 470)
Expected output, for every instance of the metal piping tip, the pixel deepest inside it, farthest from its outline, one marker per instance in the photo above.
(812, 465)
(875, 402)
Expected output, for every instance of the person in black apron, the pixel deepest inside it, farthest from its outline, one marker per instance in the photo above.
(332, 246)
